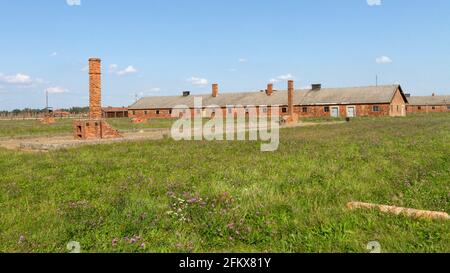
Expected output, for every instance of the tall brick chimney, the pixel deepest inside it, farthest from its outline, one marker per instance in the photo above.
(269, 91)
(291, 97)
(95, 88)
(215, 90)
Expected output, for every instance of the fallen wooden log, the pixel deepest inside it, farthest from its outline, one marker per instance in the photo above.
(414, 213)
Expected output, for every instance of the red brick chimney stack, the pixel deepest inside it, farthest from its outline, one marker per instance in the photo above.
(95, 88)
(291, 97)
(215, 90)
(269, 89)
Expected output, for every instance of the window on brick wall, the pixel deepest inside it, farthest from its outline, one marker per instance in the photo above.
(434, 107)
(305, 109)
(170, 111)
(157, 112)
(448, 107)
(326, 109)
(230, 110)
(376, 108)
(134, 112)
(265, 110)
(145, 112)
(284, 110)
(420, 107)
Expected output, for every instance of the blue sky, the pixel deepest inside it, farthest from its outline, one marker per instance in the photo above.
(162, 47)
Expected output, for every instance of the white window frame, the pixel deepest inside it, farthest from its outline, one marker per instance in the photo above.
(354, 112)
(338, 112)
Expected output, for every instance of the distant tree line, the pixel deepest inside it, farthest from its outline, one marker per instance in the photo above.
(76, 110)
(72, 110)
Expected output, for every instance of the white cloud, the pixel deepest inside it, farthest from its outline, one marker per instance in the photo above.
(18, 79)
(242, 60)
(54, 54)
(57, 90)
(113, 68)
(39, 81)
(198, 81)
(73, 2)
(84, 69)
(232, 70)
(21, 80)
(129, 70)
(374, 2)
(280, 78)
(383, 60)
(155, 90)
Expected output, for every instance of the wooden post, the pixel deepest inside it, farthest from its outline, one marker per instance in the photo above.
(414, 213)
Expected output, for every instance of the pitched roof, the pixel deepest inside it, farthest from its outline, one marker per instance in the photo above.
(114, 109)
(352, 95)
(430, 100)
(324, 96)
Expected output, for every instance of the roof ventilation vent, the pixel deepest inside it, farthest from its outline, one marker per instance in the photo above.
(317, 86)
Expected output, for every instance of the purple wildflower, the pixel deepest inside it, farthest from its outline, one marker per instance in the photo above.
(192, 200)
(21, 239)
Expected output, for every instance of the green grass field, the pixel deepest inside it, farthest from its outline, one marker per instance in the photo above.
(167, 196)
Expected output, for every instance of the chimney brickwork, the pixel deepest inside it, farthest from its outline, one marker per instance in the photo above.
(291, 97)
(95, 127)
(95, 88)
(269, 91)
(215, 90)
(292, 117)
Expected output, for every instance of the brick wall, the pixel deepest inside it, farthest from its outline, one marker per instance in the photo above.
(150, 114)
(93, 129)
(361, 110)
(427, 109)
(398, 105)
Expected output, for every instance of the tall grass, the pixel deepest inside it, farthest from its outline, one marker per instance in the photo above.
(167, 196)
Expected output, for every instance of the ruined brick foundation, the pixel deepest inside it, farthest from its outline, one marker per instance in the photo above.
(47, 120)
(93, 129)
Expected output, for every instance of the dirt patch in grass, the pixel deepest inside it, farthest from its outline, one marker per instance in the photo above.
(63, 142)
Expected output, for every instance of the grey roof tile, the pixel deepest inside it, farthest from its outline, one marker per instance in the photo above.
(429, 100)
(352, 95)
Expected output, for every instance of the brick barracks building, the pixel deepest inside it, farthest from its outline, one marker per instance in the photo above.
(388, 100)
(429, 104)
